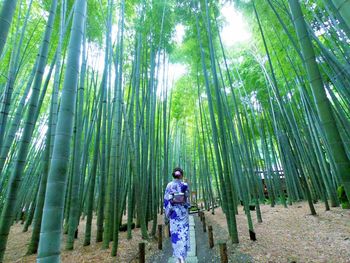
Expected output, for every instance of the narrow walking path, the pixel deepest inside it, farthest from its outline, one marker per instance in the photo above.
(199, 251)
(192, 255)
(204, 253)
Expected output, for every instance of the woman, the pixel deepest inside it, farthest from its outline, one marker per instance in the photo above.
(176, 206)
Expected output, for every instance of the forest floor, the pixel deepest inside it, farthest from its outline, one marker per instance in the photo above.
(127, 250)
(288, 235)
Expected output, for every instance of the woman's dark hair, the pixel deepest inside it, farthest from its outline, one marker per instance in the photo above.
(177, 169)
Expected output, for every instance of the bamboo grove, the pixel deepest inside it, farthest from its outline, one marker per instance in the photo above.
(92, 122)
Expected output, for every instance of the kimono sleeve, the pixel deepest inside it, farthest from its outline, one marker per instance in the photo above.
(185, 189)
(167, 203)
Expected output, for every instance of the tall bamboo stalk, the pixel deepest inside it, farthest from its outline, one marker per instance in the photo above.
(50, 236)
(336, 146)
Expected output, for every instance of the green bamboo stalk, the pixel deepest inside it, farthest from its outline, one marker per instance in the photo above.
(6, 16)
(8, 210)
(223, 173)
(93, 172)
(319, 95)
(34, 242)
(74, 215)
(343, 7)
(50, 236)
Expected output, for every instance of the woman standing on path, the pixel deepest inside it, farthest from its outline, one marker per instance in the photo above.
(176, 206)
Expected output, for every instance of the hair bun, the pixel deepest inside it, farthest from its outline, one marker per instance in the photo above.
(177, 172)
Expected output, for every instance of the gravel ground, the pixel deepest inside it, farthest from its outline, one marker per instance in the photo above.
(163, 255)
(289, 235)
(286, 235)
(127, 249)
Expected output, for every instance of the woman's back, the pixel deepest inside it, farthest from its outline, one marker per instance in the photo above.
(176, 206)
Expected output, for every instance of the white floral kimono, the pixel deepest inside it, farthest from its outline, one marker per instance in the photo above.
(178, 216)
